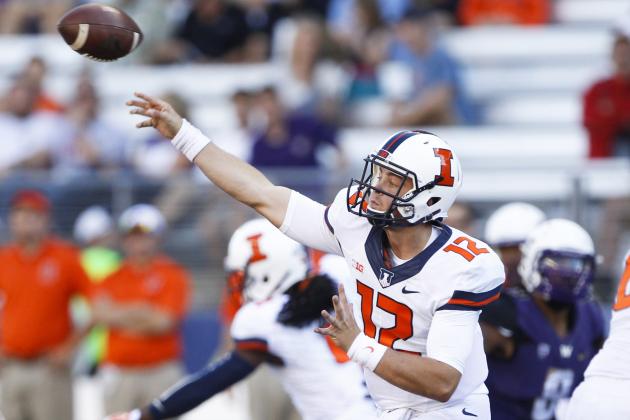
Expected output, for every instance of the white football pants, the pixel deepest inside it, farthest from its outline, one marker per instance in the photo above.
(474, 407)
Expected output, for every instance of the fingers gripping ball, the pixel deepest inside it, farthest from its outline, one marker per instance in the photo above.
(99, 32)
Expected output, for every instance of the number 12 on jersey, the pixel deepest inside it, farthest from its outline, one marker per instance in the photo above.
(403, 316)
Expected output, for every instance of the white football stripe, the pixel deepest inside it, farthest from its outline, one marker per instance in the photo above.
(84, 29)
(136, 40)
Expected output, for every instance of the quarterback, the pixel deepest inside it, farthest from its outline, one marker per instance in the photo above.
(410, 316)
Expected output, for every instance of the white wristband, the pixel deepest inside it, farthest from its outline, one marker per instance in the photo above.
(189, 140)
(366, 351)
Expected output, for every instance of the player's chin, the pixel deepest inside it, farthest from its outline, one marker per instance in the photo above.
(377, 206)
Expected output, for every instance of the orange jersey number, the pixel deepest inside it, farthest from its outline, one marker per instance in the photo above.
(402, 328)
(471, 250)
(623, 293)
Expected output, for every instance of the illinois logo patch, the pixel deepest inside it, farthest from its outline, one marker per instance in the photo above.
(385, 277)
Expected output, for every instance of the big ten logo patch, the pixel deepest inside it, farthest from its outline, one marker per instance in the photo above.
(357, 266)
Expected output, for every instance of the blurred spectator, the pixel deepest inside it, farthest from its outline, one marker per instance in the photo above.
(607, 102)
(157, 18)
(89, 142)
(445, 11)
(607, 120)
(94, 231)
(261, 17)
(365, 40)
(34, 74)
(32, 16)
(510, 12)
(506, 230)
(315, 7)
(27, 136)
(242, 102)
(39, 274)
(214, 30)
(341, 12)
(288, 139)
(142, 304)
(298, 88)
(436, 97)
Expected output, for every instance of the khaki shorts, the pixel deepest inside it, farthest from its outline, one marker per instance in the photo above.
(35, 390)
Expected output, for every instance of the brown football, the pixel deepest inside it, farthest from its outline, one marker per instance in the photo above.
(99, 32)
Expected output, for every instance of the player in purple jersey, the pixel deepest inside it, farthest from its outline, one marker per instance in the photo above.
(539, 340)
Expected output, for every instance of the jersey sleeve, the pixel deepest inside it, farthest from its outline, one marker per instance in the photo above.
(476, 286)
(310, 223)
(250, 328)
(451, 337)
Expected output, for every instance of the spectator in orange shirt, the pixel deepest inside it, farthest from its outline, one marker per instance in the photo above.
(511, 12)
(142, 304)
(38, 277)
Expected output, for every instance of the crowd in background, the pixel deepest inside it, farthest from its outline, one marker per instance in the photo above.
(294, 124)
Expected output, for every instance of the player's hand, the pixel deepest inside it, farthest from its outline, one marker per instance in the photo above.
(161, 115)
(343, 329)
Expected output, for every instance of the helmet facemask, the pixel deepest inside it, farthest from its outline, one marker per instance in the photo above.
(565, 276)
(401, 210)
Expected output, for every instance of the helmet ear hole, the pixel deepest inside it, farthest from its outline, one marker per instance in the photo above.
(433, 200)
(265, 279)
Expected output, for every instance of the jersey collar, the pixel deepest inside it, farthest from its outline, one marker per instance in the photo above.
(378, 259)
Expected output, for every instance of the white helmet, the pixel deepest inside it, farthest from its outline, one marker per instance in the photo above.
(510, 224)
(424, 158)
(271, 261)
(558, 261)
(142, 218)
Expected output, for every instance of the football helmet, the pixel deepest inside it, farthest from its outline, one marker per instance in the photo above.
(510, 224)
(422, 157)
(271, 262)
(558, 261)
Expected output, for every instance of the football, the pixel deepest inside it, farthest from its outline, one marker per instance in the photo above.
(100, 32)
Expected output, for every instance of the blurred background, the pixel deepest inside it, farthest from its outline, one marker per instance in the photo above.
(534, 95)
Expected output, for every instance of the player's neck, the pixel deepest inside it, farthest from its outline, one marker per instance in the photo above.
(407, 242)
(559, 320)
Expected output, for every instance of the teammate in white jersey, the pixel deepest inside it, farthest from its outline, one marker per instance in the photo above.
(419, 285)
(275, 326)
(606, 387)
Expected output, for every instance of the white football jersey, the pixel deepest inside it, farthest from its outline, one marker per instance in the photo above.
(318, 376)
(613, 360)
(396, 304)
